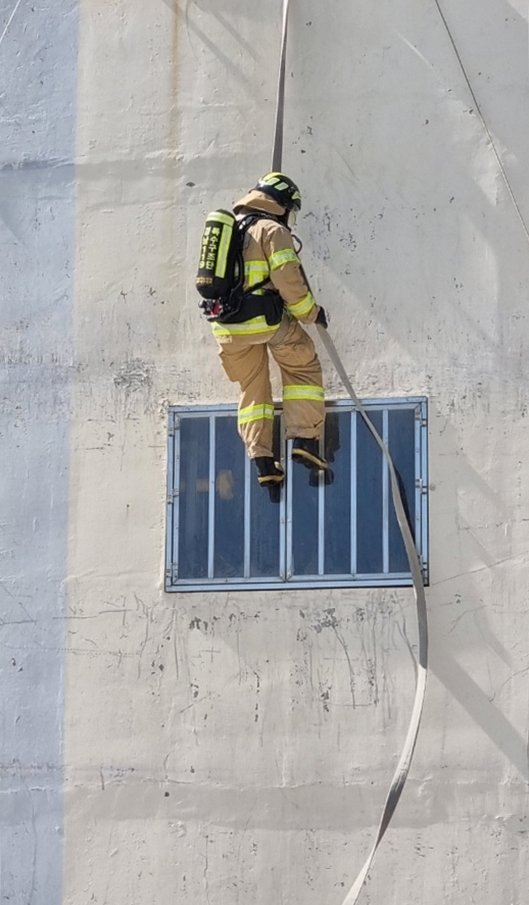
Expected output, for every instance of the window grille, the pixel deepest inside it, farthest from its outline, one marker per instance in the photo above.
(224, 531)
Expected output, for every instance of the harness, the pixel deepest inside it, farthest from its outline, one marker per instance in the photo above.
(255, 303)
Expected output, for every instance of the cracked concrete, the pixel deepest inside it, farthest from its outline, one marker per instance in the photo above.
(237, 747)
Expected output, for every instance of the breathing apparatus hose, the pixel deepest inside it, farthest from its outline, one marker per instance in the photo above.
(421, 662)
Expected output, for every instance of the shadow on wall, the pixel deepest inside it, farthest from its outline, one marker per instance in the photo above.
(312, 699)
(479, 706)
(463, 590)
(410, 225)
(205, 40)
(437, 267)
(404, 215)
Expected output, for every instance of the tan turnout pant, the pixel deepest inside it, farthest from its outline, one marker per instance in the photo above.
(245, 361)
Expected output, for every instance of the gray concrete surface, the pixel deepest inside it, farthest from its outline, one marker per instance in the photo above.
(209, 748)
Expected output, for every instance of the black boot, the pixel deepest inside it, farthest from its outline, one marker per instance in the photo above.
(306, 451)
(268, 471)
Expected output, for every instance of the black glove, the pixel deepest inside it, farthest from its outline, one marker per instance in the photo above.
(321, 318)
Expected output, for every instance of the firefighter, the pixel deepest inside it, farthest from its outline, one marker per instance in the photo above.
(286, 302)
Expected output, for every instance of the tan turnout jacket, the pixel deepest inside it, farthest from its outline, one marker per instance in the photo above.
(269, 252)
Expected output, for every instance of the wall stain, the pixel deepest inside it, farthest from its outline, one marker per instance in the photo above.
(133, 375)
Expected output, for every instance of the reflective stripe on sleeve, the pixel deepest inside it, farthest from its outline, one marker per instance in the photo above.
(301, 308)
(303, 391)
(247, 328)
(281, 257)
(256, 412)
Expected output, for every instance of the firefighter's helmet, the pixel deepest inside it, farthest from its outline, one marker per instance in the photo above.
(281, 189)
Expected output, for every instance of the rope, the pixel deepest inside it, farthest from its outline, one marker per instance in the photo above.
(401, 773)
(8, 24)
(403, 766)
(277, 153)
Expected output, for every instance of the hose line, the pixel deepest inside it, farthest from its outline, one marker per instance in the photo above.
(401, 773)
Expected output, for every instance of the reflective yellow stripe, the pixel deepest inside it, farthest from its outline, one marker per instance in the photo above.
(303, 391)
(260, 267)
(281, 257)
(219, 217)
(222, 255)
(247, 328)
(275, 180)
(256, 412)
(255, 272)
(299, 309)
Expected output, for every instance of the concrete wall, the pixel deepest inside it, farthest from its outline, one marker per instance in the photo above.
(227, 748)
(38, 65)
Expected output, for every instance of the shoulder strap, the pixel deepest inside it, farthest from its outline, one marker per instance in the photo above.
(244, 224)
(249, 219)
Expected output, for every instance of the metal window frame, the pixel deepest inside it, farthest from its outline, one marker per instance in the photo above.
(285, 578)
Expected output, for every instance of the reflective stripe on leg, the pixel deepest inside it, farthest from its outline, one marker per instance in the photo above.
(256, 412)
(309, 391)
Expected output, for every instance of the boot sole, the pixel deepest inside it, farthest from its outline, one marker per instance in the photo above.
(310, 461)
(271, 479)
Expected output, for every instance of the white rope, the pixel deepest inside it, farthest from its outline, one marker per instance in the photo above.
(8, 24)
(403, 767)
(277, 153)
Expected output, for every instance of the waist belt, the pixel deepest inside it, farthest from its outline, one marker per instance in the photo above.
(269, 304)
